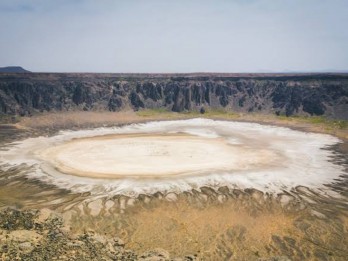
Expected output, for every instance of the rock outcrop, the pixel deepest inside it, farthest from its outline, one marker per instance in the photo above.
(35, 235)
(281, 94)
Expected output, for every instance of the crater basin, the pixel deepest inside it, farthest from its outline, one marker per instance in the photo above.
(153, 155)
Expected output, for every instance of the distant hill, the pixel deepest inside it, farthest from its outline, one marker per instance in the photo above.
(13, 69)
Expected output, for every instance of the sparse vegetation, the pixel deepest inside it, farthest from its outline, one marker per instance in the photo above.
(211, 113)
(320, 124)
(79, 119)
(154, 112)
(317, 120)
(89, 119)
(9, 119)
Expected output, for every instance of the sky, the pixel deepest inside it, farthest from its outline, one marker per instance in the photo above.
(167, 36)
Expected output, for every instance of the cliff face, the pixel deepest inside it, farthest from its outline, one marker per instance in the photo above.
(321, 94)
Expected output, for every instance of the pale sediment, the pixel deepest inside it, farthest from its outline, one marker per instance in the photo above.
(151, 155)
(176, 156)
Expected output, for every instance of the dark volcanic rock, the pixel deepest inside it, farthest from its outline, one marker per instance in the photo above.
(282, 94)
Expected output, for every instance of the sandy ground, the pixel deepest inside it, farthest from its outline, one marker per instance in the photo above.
(77, 120)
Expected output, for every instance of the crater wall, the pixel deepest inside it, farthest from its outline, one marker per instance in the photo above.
(282, 94)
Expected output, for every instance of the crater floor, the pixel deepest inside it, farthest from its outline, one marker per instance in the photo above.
(176, 156)
(153, 155)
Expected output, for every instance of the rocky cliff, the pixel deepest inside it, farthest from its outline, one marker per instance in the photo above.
(301, 94)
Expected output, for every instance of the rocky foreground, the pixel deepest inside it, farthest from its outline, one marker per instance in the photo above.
(31, 235)
(35, 235)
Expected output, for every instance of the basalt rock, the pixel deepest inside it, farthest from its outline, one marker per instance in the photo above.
(281, 94)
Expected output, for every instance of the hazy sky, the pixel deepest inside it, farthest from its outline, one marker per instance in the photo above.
(174, 35)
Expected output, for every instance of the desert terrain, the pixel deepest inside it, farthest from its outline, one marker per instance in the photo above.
(155, 184)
